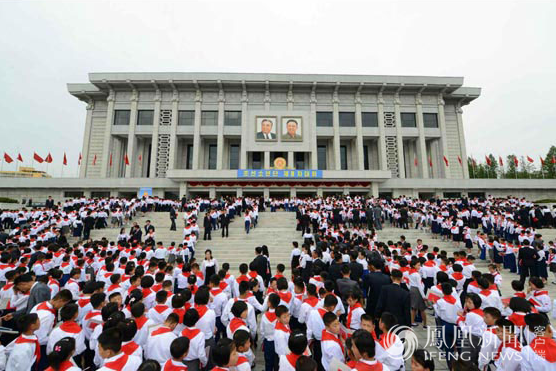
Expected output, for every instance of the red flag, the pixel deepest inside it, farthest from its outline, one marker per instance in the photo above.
(553, 161)
(415, 161)
(488, 160)
(500, 161)
(542, 161)
(459, 160)
(19, 158)
(445, 160)
(65, 161)
(430, 162)
(79, 160)
(126, 160)
(140, 158)
(95, 160)
(530, 159)
(38, 158)
(48, 159)
(110, 159)
(7, 158)
(516, 161)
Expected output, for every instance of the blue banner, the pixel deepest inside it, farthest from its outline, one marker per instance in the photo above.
(145, 192)
(279, 174)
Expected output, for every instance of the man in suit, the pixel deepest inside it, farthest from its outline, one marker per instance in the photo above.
(527, 257)
(394, 298)
(355, 268)
(374, 282)
(173, 216)
(148, 227)
(88, 224)
(335, 270)
(266, 130)
(38, 293)
(135, 234)
(49, 203)
(207, 224)
(224, 222)
(346, 284)
(260, 262)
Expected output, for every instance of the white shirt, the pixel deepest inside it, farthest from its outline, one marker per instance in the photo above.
(58, 334)
(22, 356)
(330, 350)
(196, 345)
(158, 346)
(132, 363)
(47, 322)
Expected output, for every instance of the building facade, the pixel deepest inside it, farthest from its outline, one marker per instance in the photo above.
(273, 133)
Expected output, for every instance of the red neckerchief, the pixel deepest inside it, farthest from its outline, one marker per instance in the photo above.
(450, 299)
(477, 311)
(71, 327)
(457, 276)
(118, 364)
(544, 347)
(270, 316)
(161, 330)
(236, 323)
(44, 306)
(215, 291)
(413, 270)
(312, 301)
(201, 309)
(65, 365)
(157, 287)
(350, 313)
(485, 292)
(113, 287)
(130, 348)
(429, 263)
(518, 319)
(292, 358)
(443, 268)
(159, 308)
(492, 329)
(180, 312)
(222, 285)
(317, 278)
(241, 360)
(190, 333)
(520, 295)
(22, 340)
(539, 293)
(331, 337)
(50, 282)
(287, 297)
(170, 366)
(363, 366)
(146, 292)
(387, 340)
(280, 326)
(253, 274)
(140, 321)
(322, 312)
(511, 343)
(83, 301)
(7, 286)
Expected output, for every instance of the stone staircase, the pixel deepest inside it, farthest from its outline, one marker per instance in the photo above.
(276, 230)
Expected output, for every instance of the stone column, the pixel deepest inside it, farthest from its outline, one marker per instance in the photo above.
(345, 191)
(131, 140)
(172, 155)
(154, 138)
(107, 137)
(220, 135)
(319, 192)
(87, 138)
(463, 150)
(399, 136)
(424, 162)
(313, 125)
(293, 192)
(359, 131)
(197, 130)
(212, 192)
(266, 159)
(374, 189)
(239, 192)
(443, 137)
(336, 127)
(115, 169)
(184, 192)
(266, 193)
(382, 158)
(291, 160)
(244, 130)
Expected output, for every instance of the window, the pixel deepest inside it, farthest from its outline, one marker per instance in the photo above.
(300, 160)
(369, 119)
(145, 117)
(209, 118)
(408, 120)
(321, 157)
(343, 158)
(73, 194)
(186, 118)
(324, 119)
(232, 118)
(347, 119)
(234, 156)
(257, 160)
(189, 158)
(366, 158)
(121, 117)
(430, 120)
(212, 157)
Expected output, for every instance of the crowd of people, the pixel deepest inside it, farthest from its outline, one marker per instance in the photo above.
(347, 300)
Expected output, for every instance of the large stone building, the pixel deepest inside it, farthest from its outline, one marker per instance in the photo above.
(274, 134)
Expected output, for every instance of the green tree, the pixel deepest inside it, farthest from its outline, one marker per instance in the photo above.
(492, 169)
(549, 169)
(511, 169)
(526, 169)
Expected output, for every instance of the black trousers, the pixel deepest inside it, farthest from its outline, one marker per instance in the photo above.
(526, 272)
(207, 233)
(173, 226)
(225, 227)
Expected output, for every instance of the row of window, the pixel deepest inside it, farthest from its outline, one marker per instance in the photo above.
(233, 118)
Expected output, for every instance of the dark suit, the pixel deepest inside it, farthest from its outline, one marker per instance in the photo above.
(260, 135)
(173, 216)
(394, 299)
(374, 283)
(527, 257)
(39, 293)
(207, 224)
(356, 271)
(49, 203)
(346, 285)
(334, 272)
(224, 223)
(260, 263)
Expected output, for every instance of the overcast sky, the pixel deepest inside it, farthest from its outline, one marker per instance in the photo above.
(506, 48)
